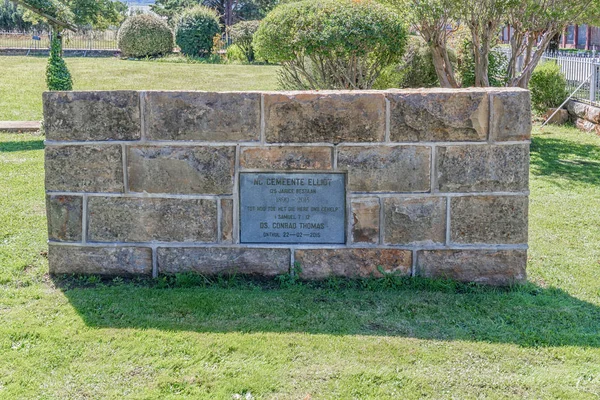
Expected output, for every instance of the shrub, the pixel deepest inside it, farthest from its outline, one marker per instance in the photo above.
(548, 87)
(242, 35)
(330, 44)
(58, 76)
(235, 53)
(196, 29)
(145, 36)
(497, 67)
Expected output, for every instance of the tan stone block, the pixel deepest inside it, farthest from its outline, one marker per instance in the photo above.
(64, 217)
(577, 109)
(365, 220)
(99, 260)
(510, 115)
(226, 220)
(414, 220)
(286, 158)
(585, 125)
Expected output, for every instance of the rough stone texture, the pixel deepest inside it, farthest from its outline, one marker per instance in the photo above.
(286, 158)
(90, 168)
(224, 261)
(489, 219)
(489, 267)
(332, 117)
(561, 117)
(438, 115)
(386, 169)
(64, 217)
(510, 115)
(413, 220)
(203, 116)
(82, 116)
(365, 220)
(116, 219)
(100, 260)
(476, 168)
(585, 125)
(577, 109)
(181, 169)
(322, 263)
(226, 220)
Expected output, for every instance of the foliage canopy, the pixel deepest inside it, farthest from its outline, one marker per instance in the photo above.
(196, 28)
(145, 36)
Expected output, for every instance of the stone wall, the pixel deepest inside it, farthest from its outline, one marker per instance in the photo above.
(148, 182)
(585, 117)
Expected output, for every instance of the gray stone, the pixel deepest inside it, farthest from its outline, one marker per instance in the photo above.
(117, 219)
(386, 169)
(577, 109)
(329, 117)
(181, 169)
(89, 168)
(479, 168)
(286, 158)
(585, 125)
(510, 115)
(365, 220)
(226, 221)
(224, 261)
(100, 260)
(82, 116)
(489, 219)
(64, 217)
(489, 267)
(413, 220)
(203, 116)
(353, 262)
(439, 115)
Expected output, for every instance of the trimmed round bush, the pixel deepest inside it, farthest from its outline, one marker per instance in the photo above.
(548, 87)
(242, 35)
(196, 29)
(145, 36)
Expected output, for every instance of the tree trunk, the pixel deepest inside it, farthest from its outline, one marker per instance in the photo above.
(443, 68)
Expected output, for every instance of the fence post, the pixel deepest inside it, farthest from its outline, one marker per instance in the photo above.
(593, 82)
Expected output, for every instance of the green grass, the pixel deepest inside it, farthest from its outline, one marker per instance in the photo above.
(22, 79)
(137, 339)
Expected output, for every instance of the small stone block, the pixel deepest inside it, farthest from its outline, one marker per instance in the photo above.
(118, 219)
(83, 116)
(226, 221)
(413, 220)
(510, 115)
(365, 220)
(353, 263)
(489, 267)
(286, 158)
(89, 168)
(223, 261)
(181, 169)
(328, 117)
(100, 260)
(64, 218)
(202, 116)
(489, 219)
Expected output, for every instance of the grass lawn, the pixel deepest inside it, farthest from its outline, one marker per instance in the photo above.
(22, 79)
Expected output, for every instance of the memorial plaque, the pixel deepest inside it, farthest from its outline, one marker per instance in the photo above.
(292, 208)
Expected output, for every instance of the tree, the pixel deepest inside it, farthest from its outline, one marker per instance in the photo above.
(230, 11)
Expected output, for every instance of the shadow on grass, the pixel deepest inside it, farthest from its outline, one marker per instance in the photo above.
(528, 316)
(25, 145)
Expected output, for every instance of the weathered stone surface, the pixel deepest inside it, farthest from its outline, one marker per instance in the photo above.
(478, 168)
(585, 125)
(64, 217)
(330, 117)
(226, 220)
(510, 115)
(561, 117)
(438, 115)
(181, 169)
(224, 261)
(593, 114)
(82, 116)
(323, 263)
(286, 157)
(489, 219)
(413, 220)
(116, 219)
(93, 168)
(489, 267)
(100, 260)
(365, 220)
(577, 109)
(386, 169)
(203, 116)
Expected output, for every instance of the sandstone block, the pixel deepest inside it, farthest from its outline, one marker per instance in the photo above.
(489, 219)
(577, 109)
(181, 169)
(585, 125)
(510, 115)
(323, 263)
(330, 117)
(489, 267)
(365, 220)
(224, 261)
(593, 114)
(286, 158)
(482, 168)
(93, 168)
(113, 115)
(203, 116)
(226, 220)
(100, 260)
(561, 117)
(117, 219)
(438, 115)
(412, 220)
(64, 217)
(386, 169)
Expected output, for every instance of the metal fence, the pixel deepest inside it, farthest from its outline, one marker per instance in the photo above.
(84, 40)
(581, 72)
